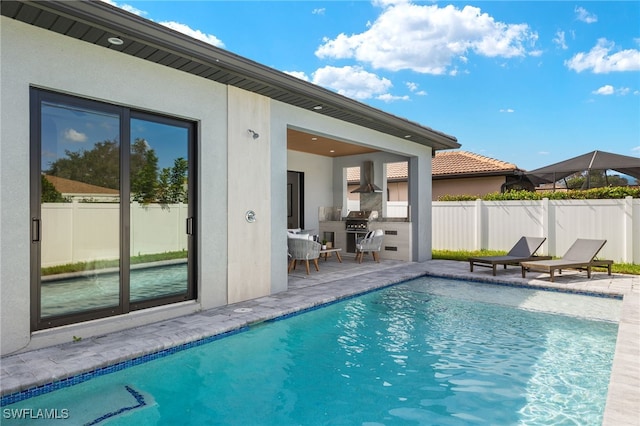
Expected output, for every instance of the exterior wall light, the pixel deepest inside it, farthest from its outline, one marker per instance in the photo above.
(253, 134)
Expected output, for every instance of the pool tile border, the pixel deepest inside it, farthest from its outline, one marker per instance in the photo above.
(122, 365)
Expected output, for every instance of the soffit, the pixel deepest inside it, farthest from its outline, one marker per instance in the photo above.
(95, 21)
(320, 145)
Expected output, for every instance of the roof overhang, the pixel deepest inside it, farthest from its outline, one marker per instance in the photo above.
(95, 21)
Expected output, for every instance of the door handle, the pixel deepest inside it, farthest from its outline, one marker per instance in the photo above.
(189, 226)
(35, 230)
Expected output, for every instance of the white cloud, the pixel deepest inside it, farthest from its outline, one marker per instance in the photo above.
(318, 11)
(412, 86)
(428, 38)
(197, 34)
(74, 135)
(177, 26)
(421, 93)
(126, 7)
(610, 90)
(298, 74)
(390, 98)
(636, 149)
(584, 15)
(509, 110)
(560, 40)
(353, 82)
(599, 61)
(604, 90)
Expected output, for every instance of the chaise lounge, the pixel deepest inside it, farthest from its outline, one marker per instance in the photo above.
(523, 251)
(581, 255)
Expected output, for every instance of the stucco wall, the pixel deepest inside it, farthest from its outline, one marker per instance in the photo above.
(467, 186)
(249, 167)
(34, 57)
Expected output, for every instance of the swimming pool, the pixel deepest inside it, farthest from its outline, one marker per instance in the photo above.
(411, 353)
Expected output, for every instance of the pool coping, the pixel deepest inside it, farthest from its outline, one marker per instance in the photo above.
(28, 374)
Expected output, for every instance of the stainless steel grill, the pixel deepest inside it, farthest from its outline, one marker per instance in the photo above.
(357, 225)
(358, 220)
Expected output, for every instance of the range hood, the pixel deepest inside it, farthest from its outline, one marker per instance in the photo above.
(366, 179)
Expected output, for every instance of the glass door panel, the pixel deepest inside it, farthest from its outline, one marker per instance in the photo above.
(159, 180)
(79, 222)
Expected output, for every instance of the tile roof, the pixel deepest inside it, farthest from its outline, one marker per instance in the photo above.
(463, 162)
(68, 186)
(448, 163)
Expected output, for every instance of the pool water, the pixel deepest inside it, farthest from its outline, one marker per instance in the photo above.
(92, 291)
(407, 354)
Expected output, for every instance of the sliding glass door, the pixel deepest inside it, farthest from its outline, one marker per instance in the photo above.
(111, 209)
(160, 220)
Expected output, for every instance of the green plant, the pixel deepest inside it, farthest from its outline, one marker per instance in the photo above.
(615, 192)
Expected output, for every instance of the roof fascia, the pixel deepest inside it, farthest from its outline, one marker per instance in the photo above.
(125, 24)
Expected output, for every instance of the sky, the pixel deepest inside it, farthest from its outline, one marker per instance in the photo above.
(526, 82)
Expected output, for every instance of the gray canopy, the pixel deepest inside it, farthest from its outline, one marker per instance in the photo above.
(595, 160)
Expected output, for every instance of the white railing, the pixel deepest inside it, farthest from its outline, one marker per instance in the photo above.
(497, 225)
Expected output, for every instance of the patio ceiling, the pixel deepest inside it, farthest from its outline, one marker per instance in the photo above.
(96, 21)
(320, 145)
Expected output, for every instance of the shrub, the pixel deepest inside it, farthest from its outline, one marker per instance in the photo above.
(615, 192)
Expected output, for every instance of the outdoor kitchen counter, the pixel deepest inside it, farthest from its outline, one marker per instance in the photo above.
(397, 236)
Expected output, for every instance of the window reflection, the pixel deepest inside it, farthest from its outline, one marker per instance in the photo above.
(80, 181)
(159, 208)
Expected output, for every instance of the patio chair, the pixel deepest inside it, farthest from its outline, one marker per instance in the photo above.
(372, 242)
(581, 255)
(303, 249)
(524, 250)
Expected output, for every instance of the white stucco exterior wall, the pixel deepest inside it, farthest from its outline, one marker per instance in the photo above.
(249, 187)
(34, 57)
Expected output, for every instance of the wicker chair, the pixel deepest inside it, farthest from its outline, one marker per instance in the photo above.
(303, 249)
(372, 242)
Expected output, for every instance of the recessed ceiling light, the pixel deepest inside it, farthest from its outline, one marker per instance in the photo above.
(332, 150)
(116, 41)
(314, 139)
(317, 107)
(407, 136)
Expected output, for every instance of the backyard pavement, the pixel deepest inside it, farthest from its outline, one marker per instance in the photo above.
(27, 371)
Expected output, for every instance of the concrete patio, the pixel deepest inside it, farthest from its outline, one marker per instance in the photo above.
(35, 372)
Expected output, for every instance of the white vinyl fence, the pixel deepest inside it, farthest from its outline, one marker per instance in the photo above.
(70, 233)
(497, 225)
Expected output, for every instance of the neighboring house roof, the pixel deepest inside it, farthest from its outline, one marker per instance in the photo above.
(446, 165)
(395, 171)
(74, 187)
(95, 21)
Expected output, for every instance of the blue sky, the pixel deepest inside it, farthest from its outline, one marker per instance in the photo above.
(531, 83)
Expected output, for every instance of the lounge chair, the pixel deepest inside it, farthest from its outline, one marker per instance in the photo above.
(523, 251)
(581, 255)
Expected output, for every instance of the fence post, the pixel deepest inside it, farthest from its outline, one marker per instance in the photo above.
(479, 231)
(627, 251)
(547, 227)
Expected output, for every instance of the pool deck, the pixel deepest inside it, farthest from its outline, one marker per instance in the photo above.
(26, 371)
